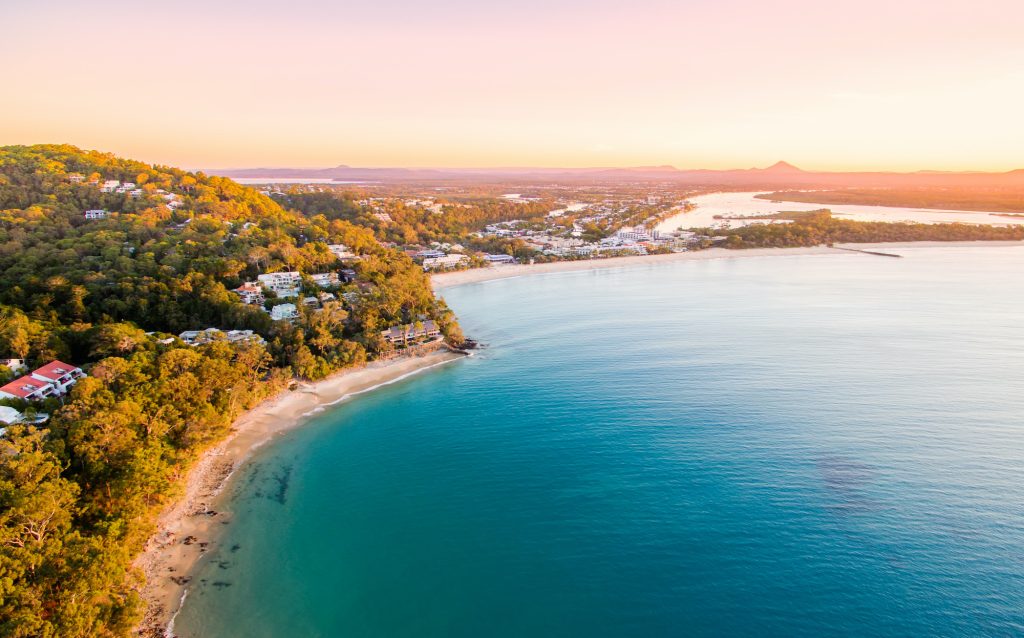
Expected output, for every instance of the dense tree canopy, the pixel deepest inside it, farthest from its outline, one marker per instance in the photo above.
(78, 495)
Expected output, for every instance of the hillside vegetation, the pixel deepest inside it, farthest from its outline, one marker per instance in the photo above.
(78, 495)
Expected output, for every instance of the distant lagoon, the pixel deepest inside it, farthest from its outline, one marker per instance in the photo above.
(746, 204)
(774, 446)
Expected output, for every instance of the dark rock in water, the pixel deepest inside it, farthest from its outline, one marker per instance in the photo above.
(235, 548)
(189, 540)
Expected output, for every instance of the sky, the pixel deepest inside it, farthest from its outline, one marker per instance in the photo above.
(825, 85)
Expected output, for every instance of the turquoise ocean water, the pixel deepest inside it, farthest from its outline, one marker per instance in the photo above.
(785, 446)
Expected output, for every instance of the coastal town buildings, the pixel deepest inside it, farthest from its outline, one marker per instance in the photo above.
(53, 379)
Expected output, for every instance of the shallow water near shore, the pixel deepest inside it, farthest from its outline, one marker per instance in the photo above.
(787, 446)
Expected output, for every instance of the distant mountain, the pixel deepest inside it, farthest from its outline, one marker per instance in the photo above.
(779, 175)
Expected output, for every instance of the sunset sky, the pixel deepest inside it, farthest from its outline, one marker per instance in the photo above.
(871, 84)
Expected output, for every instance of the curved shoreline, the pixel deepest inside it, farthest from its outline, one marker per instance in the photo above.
(189, 527)
(478, 275)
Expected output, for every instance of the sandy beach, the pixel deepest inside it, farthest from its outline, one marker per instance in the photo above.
(476, 275)
(189, 527)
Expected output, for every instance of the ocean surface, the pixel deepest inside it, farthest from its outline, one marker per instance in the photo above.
(782, 446)
(746, 204)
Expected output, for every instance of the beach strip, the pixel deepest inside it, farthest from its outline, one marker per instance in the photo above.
(190, 526)
(443, 280)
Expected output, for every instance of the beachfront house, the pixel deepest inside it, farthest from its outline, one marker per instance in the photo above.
(409, 333)
(500, 259)
(447, 261)
(284, 284)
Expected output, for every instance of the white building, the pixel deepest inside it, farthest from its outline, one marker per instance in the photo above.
(284, 284)
(251, 293)
(110, 186)
(96, 213)
(17, 366)
(61, 375)
(448, 261)
(341, 251)
(638, 233)
(199, 337)
(500, 259)
(53, 379)
(284, 312)
(326, 279)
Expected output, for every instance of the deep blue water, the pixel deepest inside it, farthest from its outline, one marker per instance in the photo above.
(796, 446)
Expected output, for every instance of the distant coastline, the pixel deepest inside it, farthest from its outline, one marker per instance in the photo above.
(189, 527)
(441, 281)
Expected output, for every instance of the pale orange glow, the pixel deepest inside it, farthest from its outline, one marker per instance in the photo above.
(894, 85)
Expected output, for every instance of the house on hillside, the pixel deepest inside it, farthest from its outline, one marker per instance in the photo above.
(209, 335)
(284, 284)
(27, 388)
(326, 279)
(76, 178)
(251, 293)
(61, 375)
(53, 379)
(96, 213)
(10, 416)
(284, 312)
(110, 186)
(17, 366)
(341, 251)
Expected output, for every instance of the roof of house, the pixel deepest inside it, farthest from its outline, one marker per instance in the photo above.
(9, 415)
(23, 387)
(54, 370)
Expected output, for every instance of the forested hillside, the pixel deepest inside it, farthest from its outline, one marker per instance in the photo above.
(77, 495)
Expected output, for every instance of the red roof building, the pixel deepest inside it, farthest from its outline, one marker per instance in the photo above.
(27, 388)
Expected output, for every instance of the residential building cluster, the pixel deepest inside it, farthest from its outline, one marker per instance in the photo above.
(52, 380)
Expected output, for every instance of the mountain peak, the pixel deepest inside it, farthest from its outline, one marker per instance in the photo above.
(783, 167)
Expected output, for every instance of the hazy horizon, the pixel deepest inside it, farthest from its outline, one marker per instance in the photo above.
(871, 85)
